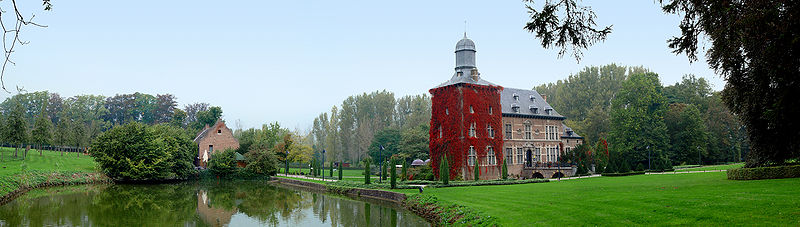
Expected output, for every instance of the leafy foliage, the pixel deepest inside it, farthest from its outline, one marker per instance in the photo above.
(261, 160)
(638, 132)
(444, 169)
(574, 27)
(135, 151)
(223, 163)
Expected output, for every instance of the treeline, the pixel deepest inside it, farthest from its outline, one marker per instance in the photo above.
(363, 123)
(684, 123)
(43, 118)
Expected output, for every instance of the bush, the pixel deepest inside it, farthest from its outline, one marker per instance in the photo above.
(623, 174)
(764, 173)
(261, 161)
(404, 171)
(425, 173)
(137, 152)
(504, 172)
(223, 163)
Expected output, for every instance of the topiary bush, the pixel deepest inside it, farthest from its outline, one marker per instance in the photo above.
(759, 173)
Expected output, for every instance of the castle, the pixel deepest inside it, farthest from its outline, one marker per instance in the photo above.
(478, 124)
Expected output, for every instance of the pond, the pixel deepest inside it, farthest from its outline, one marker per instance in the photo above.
(225, 203)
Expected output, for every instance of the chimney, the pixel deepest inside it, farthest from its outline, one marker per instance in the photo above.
(474, 74)
(544, 96)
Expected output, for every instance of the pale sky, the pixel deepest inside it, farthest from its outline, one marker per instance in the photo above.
(288, 61)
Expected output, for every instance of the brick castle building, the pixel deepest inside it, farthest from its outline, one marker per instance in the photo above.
(478, 124)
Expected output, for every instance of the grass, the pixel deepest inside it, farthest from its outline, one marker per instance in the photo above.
(714, 167)
(699, 199)
(50, 161)
(51, 167)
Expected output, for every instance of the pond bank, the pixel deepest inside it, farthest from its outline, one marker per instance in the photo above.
(429, 210)
(16, 185)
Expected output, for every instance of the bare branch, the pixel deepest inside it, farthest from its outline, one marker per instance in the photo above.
(20, 21)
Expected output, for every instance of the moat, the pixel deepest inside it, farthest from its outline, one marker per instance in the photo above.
(224, 203)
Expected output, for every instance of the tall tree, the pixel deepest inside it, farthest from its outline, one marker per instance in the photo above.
(638, 131)
(42, 131)
(753, 46)
(691, 90)
(16, 130)
(687, 134)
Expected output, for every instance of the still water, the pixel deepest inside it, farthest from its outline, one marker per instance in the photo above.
(225, 203)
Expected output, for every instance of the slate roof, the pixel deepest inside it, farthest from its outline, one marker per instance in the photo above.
(466, 78)
(569, 133)
(526, 101)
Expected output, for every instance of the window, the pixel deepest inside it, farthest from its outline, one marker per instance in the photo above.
(471, 159)
(516, 97)
(508, 131)
(520, 159)
(515, 109)
(460, 73)
(527, 131)
(440, 131)
(551, 132)
(490, 130)
(219, 132)
(533, 98)
(490, 154)
(447, 111)
(472, 130)
(539, 154)
(490, 110)
(210, 148)
(470, 110)
(567, 149)
(509, 156)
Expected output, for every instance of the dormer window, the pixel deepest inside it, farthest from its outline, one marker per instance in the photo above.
(459, 73)
(533, 98)
(534, 109)
(515, 109)
(516, 97)
(549, 111)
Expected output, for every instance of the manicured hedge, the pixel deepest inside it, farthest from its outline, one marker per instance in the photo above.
(764, 173)
(660, 170)
(622, 174)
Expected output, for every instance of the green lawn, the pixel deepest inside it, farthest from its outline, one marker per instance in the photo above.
(715, 167)
(698, 199)
(49, 161)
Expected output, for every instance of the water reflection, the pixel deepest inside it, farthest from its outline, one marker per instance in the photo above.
(234, 203)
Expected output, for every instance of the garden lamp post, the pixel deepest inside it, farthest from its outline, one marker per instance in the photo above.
(380, 166)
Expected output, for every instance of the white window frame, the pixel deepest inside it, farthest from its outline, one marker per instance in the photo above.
(490, 130)
(471, 156)
(490, 155)
(440, 131)
(528, 133)
(472, 132)
(509, 156)
(509, 130)
(520, 155)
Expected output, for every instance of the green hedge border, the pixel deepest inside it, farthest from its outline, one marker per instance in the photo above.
(759, 173)
(622, 174)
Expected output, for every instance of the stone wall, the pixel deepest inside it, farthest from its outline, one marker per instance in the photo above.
(355, 192)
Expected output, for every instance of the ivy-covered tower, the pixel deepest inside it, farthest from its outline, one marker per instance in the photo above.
(466, 120)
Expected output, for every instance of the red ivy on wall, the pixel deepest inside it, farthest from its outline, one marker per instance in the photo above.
(451, 110)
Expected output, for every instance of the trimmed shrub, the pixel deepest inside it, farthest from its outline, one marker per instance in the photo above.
(393, 179)
(404, 171)
(340, 170)
(505, 171)
(444, 170)
(759, 173)
(623, 174)
(477, 172)
(366, 170)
